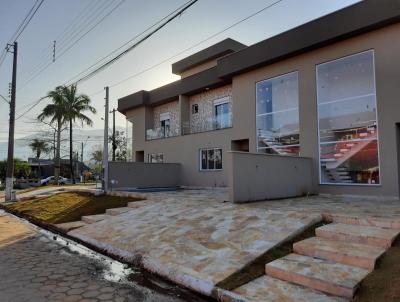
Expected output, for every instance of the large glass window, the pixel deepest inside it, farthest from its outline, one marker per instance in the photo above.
(348, 130)
(222, 113)
(211, 159)
(277, 115)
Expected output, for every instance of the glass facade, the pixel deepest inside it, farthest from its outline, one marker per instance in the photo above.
(277, 115)
(347, 118)
(211, 159)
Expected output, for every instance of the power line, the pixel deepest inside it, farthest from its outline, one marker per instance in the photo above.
(73, 44)
(181, 52)
(22, 26)
(46, 52)
(178, 13)
(105, 65)
(29, 20)
(5, 99)
(191, 47)
(126, 43)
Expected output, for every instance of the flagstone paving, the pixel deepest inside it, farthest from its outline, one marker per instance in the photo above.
(195, 239)
(277, 291)
(196, 244)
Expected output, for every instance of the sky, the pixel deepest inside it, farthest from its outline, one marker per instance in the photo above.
(56, 17)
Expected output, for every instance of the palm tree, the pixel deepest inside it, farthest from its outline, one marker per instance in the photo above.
(56, 113)
(39, 146)
(76, 104)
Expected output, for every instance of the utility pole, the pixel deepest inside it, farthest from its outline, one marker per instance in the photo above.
(10, 195)
(81, 152)
(114, 145)
(105, 150)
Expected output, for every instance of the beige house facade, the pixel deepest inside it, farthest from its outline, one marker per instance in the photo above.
(328, 91)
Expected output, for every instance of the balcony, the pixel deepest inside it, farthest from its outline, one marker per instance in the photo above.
(221, 121)
(161, 132)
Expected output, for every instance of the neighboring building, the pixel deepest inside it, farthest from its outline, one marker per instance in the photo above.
(46, 167)
(328, 90)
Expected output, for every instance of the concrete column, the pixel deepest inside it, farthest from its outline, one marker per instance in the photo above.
(184, 114)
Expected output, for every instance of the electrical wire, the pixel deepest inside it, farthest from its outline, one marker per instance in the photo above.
(126, 43)
(117, 57)
(20, 29)
(29, 20)
(70, 46)
(189, 48)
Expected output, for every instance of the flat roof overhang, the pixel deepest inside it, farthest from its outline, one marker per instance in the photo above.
(196, 83)
(215, 51)
(348, 22)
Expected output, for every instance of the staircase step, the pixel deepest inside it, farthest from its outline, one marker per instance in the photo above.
(94, 218)
(360, 255)
(117, 211)
(69, 226)
(323, 275)
(381, 222)
(358, 234)
(268, 289)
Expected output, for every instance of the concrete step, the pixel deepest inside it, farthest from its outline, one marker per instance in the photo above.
(358, 234)
(360, 255)
(69, 226)
(327, 276)
(381, 222)
(117, 211)
(268, 289)
(94, 218)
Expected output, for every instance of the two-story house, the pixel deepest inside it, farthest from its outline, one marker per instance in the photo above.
(327, 90)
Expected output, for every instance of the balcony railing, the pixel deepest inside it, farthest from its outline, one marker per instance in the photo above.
(158, 133)
(209, 124)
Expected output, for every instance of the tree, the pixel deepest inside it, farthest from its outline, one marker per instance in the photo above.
(120, 144)
(39, 146)
(76, 104)
(21, 169)
(97, 157)
(56, 112)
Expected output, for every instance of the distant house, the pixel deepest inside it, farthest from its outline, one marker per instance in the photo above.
(327, 90)
(47, 167)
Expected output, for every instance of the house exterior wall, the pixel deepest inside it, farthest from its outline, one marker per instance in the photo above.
(386, 45)
(185, 149)
(173, 109)
(202, 121)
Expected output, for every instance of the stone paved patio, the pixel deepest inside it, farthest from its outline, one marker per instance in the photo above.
(191, 237)
(195, 239)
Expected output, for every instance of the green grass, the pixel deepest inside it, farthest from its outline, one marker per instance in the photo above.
(66, 207)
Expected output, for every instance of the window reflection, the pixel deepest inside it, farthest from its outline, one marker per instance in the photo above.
(348, 120)
(277, 118)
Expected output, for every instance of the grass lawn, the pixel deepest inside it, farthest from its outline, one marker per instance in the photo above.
(66, 207)
(383, 284)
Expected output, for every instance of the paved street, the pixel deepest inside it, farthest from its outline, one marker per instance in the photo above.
(34, 267)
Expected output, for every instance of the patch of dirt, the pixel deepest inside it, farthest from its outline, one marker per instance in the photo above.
(256, 268)
(67, 207)
(383, 284)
